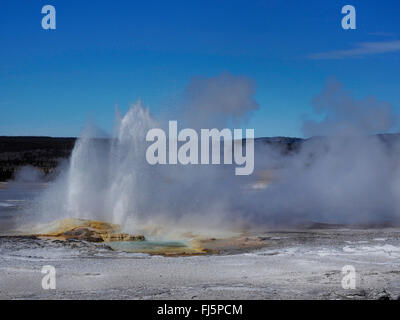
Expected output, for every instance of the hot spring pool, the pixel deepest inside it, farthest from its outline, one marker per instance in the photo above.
(154, 247)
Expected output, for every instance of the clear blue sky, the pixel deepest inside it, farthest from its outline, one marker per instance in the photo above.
(115, 51)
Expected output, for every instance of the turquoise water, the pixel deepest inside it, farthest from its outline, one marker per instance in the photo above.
(148, 246)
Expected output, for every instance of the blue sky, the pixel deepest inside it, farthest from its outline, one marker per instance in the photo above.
(106, 52)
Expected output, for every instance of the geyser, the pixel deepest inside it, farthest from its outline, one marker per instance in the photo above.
(351, 177)
(110, 180)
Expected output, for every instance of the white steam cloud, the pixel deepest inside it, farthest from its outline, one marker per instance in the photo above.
(346, 177)
(218, 101)
(345, 115)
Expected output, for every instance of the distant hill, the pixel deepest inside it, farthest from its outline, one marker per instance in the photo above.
(41, 152)
(287, 144)
(46, 152)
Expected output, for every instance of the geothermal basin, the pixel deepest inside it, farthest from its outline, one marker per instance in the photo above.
(270, 264)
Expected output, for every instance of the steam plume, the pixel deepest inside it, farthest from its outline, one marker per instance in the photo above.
(348, 176)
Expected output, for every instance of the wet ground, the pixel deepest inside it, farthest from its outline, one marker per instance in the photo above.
(292, 265)
(286, 264)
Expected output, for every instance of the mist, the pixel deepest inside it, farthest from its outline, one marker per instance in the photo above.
(345, 174)
(218, 102)
(29, 174)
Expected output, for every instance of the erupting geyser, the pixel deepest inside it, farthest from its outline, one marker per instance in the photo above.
(351, 177)
(110, 180)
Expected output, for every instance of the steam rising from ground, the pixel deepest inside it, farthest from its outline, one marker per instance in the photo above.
(349, 177)
(347, 116)
(28, 174)
(220, 101)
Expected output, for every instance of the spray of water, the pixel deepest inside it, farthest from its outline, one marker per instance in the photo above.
(110, 180)
(352, 176)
